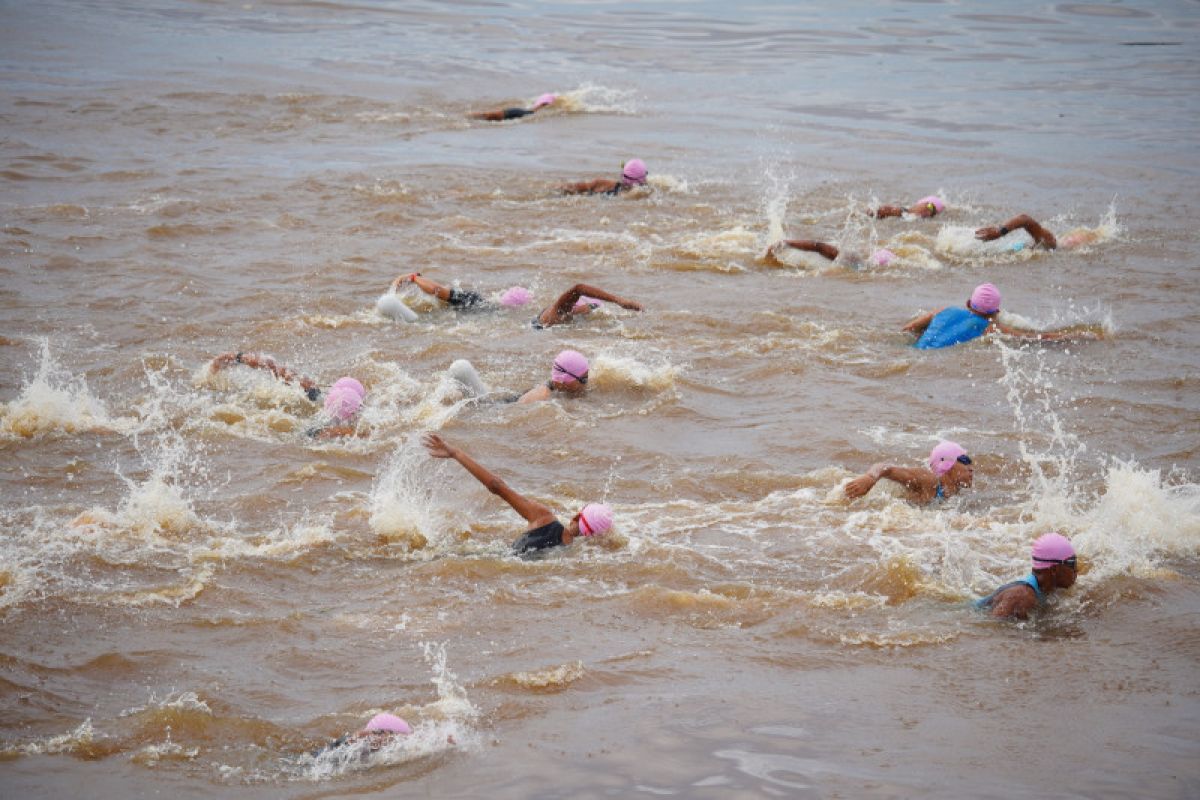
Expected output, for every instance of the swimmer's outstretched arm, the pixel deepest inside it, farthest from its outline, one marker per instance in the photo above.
(256, 361)
(561, 310)
(424, 284)
(919, 324)
(1040, 235)
(809, 245)
(533, 511)
(598, 186)
(909, 477)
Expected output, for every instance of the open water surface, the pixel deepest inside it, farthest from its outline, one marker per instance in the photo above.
(194, 594)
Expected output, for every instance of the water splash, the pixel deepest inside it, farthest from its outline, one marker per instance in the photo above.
(55, 400)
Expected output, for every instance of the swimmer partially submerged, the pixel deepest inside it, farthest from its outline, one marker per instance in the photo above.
(880, 258)
(1054, 566)
(1041, 236)
(544, 528)
(580, 299)
(342, 403)
(926, 207)
(955, 325)
(502, 114)
(950, 471)
(633, 173)
(568, 377)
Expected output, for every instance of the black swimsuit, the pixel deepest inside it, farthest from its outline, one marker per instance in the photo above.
(465, 298)
(516, 113)
(549, 535)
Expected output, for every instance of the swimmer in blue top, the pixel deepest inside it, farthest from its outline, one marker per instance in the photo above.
(955, 325)
(1055, 566)
(950, 470)
(544, 528)
(502, 114)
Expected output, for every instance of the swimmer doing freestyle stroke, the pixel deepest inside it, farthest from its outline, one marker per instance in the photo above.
(950, 471)
(955, 324)
(580, 299)
(568, 377)
(926, 207)
(503, 114)
(633, 173)
(880, 258)
(343, 401)
(544, 529)
(1041, 236)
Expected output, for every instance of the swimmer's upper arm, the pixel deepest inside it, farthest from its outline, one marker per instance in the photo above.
(919, 324)
(531, 510)
(1016, 602)
(906, 476)
(536, 394)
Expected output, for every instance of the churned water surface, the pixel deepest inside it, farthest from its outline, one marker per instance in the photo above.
(195, 594)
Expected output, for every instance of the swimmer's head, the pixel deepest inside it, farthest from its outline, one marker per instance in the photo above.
(515, 296)
(985, 299)
(570, 370)
(943, 457)
(595, 519)
(931, 206)
(545, 100)
(584, 304)
(342, 403)
(634, 171)
(387, 723)
(349, 383)
(882, 257)
(1053, 551)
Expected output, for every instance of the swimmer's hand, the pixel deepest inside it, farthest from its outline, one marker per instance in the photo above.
(990, 233)
(437, 446)
(860, 485)
(632, 305)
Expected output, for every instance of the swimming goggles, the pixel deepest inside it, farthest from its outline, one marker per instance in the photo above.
(964, 459)
(582, 379)
(1069, 562)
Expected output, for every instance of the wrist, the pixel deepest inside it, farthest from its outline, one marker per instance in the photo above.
(1004, 230)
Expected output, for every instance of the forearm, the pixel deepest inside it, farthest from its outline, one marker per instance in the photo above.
(809, 245)
(1027, 223)
(888, 211)
(481, 473)
(600, 294)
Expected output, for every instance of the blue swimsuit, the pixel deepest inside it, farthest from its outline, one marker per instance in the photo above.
(1030, 579)
(952, 326)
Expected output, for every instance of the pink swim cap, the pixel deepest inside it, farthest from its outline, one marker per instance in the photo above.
(882, 257)
(936, 202)
(342, 403)
(1049, 549)
(387, 723)
(634, 170)
(544, 100)
(944, 456)
(349, 383)
(515, 296)
(569, 365)
(594, 519)
(584, 303)
(985, 299)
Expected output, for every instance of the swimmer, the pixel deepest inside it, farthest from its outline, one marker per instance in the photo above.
(1041, 236)
(568, 376)
(950, 470)
(502, 114)
(579, 299)
(880, 258)
(929, 206)
(342, 403)
(1054, 566)
(544, 529)
(381, 730)
(954, 325)
(633, 173)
